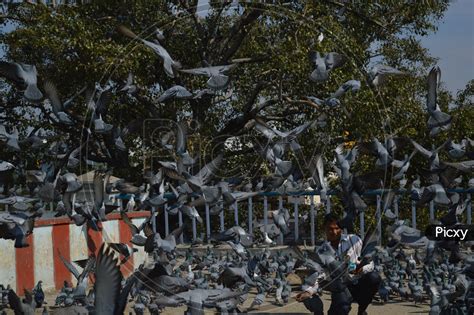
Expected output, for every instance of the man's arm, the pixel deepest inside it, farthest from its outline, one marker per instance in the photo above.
(310, 287)
(312, 283)
(313, 288)
(368, 268)
(357, 251)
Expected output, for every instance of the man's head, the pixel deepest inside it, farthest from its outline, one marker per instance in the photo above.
(332, 228)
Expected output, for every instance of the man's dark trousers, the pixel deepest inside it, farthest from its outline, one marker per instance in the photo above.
(362, 292)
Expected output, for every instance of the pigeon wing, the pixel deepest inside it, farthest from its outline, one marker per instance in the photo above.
(433, 81)
(11, 70)
(198, 71)
(181, 135)
(210, 169)
(128, 222)
(108, 281)
(334, 60)
(52, 95)
(101, 107)
(421, 149)
(70, 266)
(15, 302)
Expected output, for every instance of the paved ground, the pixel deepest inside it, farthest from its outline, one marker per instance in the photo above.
(395, 307)
(392, 308)
(293, 307)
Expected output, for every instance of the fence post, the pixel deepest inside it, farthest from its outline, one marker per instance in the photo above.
(180, 223)
(280, 205)
(167, 224)
(208, 223)
(250, 215)
(265, 213)
(362, 224)
(413, 214)
(395, 206)
(194, 229)
(432, 210)
(296, 207)
(378, 221)
(328, 204)
(236, 213)
(312, 215)
(153, 219)
(194, 225)
(469, 210)
(221, 218)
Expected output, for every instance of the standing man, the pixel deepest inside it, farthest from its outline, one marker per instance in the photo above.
(363, 284)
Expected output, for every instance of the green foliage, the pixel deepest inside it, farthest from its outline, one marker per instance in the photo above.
(79, 45)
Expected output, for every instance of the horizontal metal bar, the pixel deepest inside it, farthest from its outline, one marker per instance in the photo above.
(373, 192)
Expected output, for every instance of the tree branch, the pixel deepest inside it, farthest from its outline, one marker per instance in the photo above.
(238, 33)
(253, 96)
(278, 118)
(305, 102)
(9, 17)
(358, 14)
(192, 12)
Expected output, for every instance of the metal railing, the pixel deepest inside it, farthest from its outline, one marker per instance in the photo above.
(278, 199)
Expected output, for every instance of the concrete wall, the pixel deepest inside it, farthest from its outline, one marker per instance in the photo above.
(22, 268)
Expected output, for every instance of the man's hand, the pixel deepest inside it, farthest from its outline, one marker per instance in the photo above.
(300, 297)
(357, 271)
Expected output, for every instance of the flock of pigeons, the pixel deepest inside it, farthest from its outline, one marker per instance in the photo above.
(243, 280)
(168, 279)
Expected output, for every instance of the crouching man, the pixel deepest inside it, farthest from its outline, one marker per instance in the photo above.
(363, 282)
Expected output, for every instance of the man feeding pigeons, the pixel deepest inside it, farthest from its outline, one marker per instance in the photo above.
(360, 286)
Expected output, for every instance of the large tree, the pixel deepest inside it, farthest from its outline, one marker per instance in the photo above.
(78, 45)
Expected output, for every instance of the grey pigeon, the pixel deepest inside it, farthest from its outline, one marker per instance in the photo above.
(171, 285)
(109, 297)
(435, 192)
(217, 79)
(10, 139)
(457, 150)
(438, 120)
(24, 75)
(26, 307)
(101, 127)
(259, 298)
(281, 219)
(168, 62)
(402, 165)
(82, 278)
(316, 168)
(72, 181)
(351, 85)
(16, 226)
(123, 249)
(176, 91)
(129, 86)
(56, 104)
(137, 239)
(379, 73)
(324, 64)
